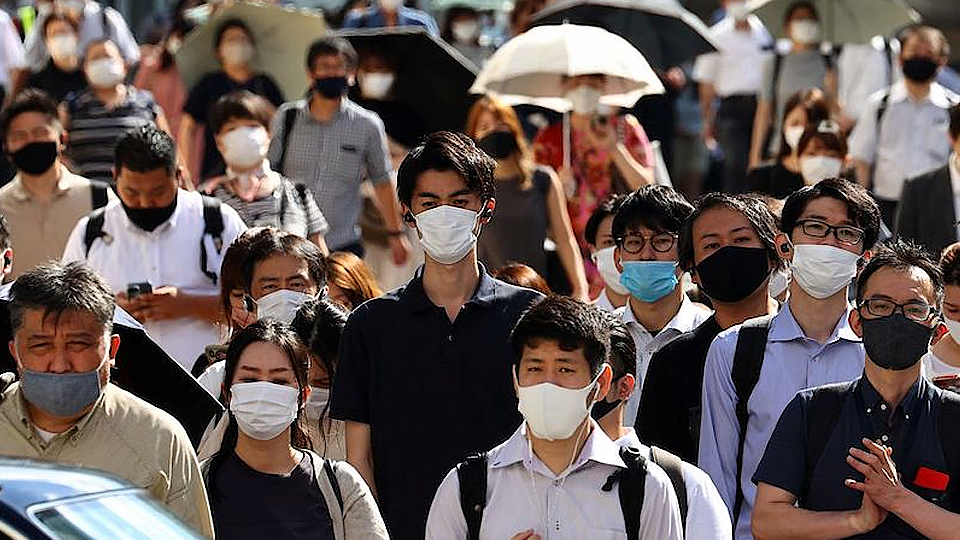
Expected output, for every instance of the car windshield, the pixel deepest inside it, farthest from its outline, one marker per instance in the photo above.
(128, 515)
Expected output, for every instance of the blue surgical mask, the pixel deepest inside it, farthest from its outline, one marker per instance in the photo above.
(61, 394)
(649, 281)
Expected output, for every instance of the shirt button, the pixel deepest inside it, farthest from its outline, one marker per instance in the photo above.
(884, 438)
(450, 338)
(869, 410)
(883, 406)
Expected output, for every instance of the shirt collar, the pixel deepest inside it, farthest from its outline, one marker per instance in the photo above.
(20, 192)
(684, 320)
(414, 298)
(937, 96)
(784, 327)
(598, 448)
(920, 390)
(24, 417)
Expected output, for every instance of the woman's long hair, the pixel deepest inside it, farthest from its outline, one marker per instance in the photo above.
(505, 113)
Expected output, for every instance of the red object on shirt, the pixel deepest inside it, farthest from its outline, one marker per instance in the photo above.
(931, 479)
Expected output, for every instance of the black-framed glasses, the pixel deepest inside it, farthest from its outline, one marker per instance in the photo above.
(635, 242)
(882, 307)
(843, 233)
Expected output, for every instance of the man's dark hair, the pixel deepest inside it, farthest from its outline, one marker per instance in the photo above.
(955, 121)
(30, 100)
(57, 288)
(270, 242)
(571, 323)
(4, 234)
(146, 149)
(658, 208)
(239, 105)
(861, 208)
(797, 6)
(930, 33)
(447, 151)
(901, 255)
(607, 207)
(332, 46)
(623, 350)
(950, 264)
(228, 24)
(753, 208)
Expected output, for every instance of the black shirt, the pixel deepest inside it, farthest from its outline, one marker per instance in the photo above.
(669, 413)
(911, 429)
(775, 180)
(246, 503)
(56, 82)
(431, 391)
(205, 94)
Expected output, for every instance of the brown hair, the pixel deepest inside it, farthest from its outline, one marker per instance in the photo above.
(240, 105)
(351, 275)
(829, 136)
(504, 113)
(231, 271)
(950, 264)
(814, 103)
(522, 275)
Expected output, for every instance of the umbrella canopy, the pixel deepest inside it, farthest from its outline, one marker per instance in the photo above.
(143, 369)
(530, 67)
(665, 32)
(842, 21)
(282, 36)
(432, 78)
(479, 5)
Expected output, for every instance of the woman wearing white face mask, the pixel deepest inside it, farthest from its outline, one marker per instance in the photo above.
(823, 152)
(462, 30)
(264, 481)
(782, 176)
(944, 356)
(62, 74)
(261, 196)
(803, 67)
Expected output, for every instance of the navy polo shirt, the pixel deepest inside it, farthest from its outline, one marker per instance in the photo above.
(431, 391)
(911, 429)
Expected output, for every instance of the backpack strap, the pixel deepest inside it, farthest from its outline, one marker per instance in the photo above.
(774, 81)
(98, 194)
(631, 489)
(289, 117)
(94, 229)
(332, 476)
(472, 474)
(747, 361)
(673, 466)
(823, 411)
(882, 109)
(213, 226)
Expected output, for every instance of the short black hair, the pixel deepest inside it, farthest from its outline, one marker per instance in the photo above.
(571, 323)
(145, 149)
(239, 105)
(57, 288)
(4, 234)
(798, 5)
(607, 208)
(753, 208)
(901, 255)
(447, 151)
(332, 46)
(269, 242)
(861, 207)
(955, 121)
(658, 208)
(30, 100)
(228, 24)
(623, 350)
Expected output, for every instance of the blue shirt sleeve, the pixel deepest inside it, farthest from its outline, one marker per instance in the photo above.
(719, 429)
(784, 462)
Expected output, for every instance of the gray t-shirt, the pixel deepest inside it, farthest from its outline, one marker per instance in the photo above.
(798, 71)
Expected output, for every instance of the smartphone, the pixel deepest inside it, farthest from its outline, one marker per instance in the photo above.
(249, 304)
(136, 289)
(948, 382)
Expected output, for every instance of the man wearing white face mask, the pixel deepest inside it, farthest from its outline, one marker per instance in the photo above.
(445, 330)
(62, 74)
(94, 21)
(754, 369)
(599, 235)
(555, 476)
(390, 13)
(823, 152)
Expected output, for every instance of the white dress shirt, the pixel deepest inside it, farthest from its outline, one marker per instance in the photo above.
(91, 28)
(688, 317)
(11, 50)
(734, 68)
(523, 493)
(707, 515)
(167, 256)
(862, 70)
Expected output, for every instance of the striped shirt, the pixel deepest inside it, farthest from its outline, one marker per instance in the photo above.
(94, 129)
(300, 213)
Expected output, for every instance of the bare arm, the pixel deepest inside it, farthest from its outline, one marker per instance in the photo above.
(707, 94)
(775, 517)
(360, 453)
(761, 123)
(632, 170)
(862, 169)
(563, 236)
(188, 128)
(389, 206)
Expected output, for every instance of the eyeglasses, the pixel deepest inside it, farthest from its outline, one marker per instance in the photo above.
(881, 307)
(844, 234)
(634, 242)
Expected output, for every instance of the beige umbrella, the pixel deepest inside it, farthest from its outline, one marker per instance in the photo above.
(282, 36)
(842, 21)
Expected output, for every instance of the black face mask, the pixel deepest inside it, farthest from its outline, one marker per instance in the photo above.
(330, 87)
(35, 158)
(733, 273)
(895, 342)
(603, 408)
(149, 219)
(498, 144)
(919, 69)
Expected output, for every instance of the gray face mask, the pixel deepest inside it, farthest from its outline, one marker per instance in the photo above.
(61, 394)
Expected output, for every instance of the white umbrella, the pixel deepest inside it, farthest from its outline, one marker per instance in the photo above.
(842, 21)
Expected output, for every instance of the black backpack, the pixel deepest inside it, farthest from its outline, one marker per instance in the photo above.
(212, 225)
(472, 474)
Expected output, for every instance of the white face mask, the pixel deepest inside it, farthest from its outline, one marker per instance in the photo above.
(376, 85)
(779, 281)
(263, 409)
(316, 402)
(105, 72)
(792, 135)
(447, 233)
(63, 47)
(738, 10)
(465, 31)
(805, 31)
(391, 5)
(822, 270)
(237, 54)
(245, 147)
(281, 305)
(553, 412)
(607, 266)
(817, 168)
(584, 99)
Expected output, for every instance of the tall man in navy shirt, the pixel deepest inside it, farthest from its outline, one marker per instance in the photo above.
(424, 376)
(876, 457)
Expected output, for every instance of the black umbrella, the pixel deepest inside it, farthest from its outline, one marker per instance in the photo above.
(146, 371)
(662, 30)
(432, 80)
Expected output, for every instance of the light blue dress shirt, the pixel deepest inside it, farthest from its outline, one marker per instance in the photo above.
(792, 362)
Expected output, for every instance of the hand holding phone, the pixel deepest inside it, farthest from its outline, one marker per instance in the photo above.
(136, 289)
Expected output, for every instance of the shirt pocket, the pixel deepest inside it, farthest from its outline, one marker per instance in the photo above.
(348, 158)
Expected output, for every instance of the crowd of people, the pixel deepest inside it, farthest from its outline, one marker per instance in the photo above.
(518, 331)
